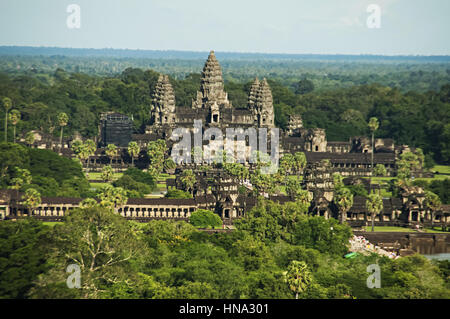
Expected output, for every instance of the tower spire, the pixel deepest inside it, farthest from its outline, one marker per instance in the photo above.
(211, 88)
(163, 101)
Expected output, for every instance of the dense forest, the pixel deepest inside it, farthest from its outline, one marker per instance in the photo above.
(271, 247)
(327, 72)
(418, 117)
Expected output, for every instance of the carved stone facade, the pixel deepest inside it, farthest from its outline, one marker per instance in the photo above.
(211, 104)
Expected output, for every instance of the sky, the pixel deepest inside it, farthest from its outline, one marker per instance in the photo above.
(407, 27)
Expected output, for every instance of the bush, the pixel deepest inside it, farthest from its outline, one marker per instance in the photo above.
(133, 187)
(203, 218)
(139, 176)
(177, 193)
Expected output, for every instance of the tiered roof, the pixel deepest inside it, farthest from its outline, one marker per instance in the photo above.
(212, 88)
(164, 97)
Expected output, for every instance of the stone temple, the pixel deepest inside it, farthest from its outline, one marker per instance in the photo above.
(214, 188)
(211, 104)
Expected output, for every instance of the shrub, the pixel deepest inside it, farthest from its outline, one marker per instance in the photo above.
(203, 218)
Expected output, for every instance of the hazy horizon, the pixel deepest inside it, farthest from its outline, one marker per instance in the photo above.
(221, 52)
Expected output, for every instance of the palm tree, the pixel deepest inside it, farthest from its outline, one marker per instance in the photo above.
(63, 119)
(23, 178)
(300, 161)
(434, 203)
(188, 179)
(373, 126)
(32, 199)
(287, 163)
(89, 149)
(29, 138)
(343, 198)
(14, 118)
(112, 197)
(374, 205)
(107, 174)
(156, 151)
(298, 277)
(111, 151)
(133, 150)
(7, 103)
(82, 153)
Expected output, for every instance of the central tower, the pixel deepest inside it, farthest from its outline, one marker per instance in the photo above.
(212, 95)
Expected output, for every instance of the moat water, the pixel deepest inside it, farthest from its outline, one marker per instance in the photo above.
(442, 256)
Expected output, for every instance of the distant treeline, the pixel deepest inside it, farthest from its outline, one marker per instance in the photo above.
(327, 72)
(187, 55)
(413, 118)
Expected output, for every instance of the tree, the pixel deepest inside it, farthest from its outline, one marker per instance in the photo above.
(88, 203)
(24, 256)
(434, 204)
(156, 151)
(294, 188)
(300, 161)
(23, 177)
(304, 86)
(406, 165)
(188, 180)
(89, 149)
(338, 181)
(63, 119)
(112, 197)
(169, 164)
(287, 164)
(32, 199)
(107, 174)
(236, 169)
(77, 146)
(343, 199)
(262, 183)
(100, 243)
(14, 118)
(134, 150)
(29, 138)
(298, 277)
(203, 218)
(373, 126)
(379, 170)
(374, 205)
(81, 151)
(7, 104)
(111, 151)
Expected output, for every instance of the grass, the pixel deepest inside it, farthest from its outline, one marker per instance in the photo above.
(52, 224)
(98, 185)
(442, 169)
(98, 175)
(392, 229)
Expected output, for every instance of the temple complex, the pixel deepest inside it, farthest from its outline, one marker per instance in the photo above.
(214, 189)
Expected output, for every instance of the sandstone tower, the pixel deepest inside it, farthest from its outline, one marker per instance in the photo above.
(211, 94)
(264, 105)
(163, 102)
